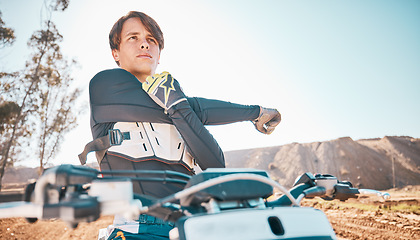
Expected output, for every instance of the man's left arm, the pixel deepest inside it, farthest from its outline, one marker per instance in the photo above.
(216, 112)
(167, 93)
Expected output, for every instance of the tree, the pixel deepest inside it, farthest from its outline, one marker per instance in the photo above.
(54, 100)
(44, 109)
(7, 35)
(8, 110)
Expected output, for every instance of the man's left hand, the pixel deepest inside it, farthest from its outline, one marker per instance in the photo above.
(267, 121)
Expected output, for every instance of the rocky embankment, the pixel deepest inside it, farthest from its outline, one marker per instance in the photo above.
(379, 163)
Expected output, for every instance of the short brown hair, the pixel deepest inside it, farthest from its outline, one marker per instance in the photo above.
(148, 22)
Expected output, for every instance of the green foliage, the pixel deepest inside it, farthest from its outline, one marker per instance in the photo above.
(8, 113)
(7, 35)
(405, 208)
(59, 5)
(390, 206)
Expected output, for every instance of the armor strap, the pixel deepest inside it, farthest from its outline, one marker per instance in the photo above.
(114, 138)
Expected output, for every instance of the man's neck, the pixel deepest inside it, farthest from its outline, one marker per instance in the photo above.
(141, 77)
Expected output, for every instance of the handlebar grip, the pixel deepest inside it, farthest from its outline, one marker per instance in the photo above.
(344, 192)
(73, 212)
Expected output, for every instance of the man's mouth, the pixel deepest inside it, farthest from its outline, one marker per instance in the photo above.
(144, 55)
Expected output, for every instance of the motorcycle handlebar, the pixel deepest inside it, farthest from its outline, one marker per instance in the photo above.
(309, 186)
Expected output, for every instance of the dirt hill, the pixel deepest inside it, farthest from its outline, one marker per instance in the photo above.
(368, 163)
(19, 175)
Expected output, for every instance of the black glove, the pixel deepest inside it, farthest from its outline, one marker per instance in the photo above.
(268, 120)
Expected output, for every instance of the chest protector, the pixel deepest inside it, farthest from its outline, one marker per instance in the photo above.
(153, 140)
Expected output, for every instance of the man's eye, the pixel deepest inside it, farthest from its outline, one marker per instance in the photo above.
(132, 38)
(152, 40)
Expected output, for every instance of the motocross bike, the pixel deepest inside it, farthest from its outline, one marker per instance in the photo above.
(214, 204)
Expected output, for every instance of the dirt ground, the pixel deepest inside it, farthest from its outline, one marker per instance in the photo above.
(371, 217)
(364, 218)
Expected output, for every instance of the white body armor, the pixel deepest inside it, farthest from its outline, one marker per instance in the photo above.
(143, 140)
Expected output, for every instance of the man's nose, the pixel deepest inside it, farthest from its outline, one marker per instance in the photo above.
(144, 45)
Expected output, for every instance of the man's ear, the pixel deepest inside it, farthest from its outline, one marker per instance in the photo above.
(116, 55)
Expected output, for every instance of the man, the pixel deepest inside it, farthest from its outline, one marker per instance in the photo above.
(162, 128)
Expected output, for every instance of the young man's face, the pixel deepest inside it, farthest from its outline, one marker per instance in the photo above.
(139, 51)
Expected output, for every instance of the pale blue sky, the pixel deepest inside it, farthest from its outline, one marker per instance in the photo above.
(332, 68)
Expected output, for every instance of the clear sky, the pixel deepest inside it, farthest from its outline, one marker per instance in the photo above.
(332, 68)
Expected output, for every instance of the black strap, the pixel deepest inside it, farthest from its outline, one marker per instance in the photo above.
(100, 145)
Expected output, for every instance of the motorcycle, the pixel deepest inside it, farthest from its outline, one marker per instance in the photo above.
(214, 204)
